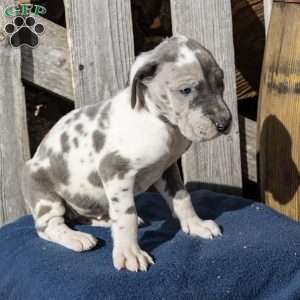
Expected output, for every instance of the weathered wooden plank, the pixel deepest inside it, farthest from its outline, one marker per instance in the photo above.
(48, 65)
(101, 43)
(248, 148)
(267, 12)
(13, 130)
(279, 112)
(217, 163)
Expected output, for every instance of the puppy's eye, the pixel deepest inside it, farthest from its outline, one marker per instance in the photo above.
(186, 91)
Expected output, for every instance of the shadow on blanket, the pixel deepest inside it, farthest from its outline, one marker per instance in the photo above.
(157, 210)
(258, 257)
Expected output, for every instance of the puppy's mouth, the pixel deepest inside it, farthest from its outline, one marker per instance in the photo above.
(201, 135)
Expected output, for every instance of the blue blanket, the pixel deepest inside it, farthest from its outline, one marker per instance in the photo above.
(258, 257)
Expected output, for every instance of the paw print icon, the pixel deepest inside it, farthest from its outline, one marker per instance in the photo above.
(24, 31)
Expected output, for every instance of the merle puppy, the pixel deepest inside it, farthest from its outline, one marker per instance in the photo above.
(96, 158)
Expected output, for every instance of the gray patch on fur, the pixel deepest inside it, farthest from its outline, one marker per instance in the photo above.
(76, 143)
(182, 194)
(124, 190)
(173, 180)
(91, 111)
(193, 44)
(41, 228)
(167, 51)
(85, 202)
(37, 185)
(130, 210)
(94, 179)
(42, 177)
(68, 121)
(79, 128)
(64, 139)
(59, 168)
(113, 165)
(104, 117)
(44, 209)
(98, 140)
(77, 115)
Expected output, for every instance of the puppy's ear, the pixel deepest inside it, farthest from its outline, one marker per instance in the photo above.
(139, 83)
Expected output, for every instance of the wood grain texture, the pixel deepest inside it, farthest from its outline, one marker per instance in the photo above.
(14, 148)
(267, 12)
(49, 65)
(101, 43)
(279, 112)
(217, 163)
(248, 148)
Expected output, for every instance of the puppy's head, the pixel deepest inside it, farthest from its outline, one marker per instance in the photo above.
(181, 80)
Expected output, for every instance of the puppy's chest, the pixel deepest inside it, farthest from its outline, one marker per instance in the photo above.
(149, 174)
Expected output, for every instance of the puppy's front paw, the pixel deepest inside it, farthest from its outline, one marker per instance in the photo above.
(206, 229)
(132, 258)
(77, 241)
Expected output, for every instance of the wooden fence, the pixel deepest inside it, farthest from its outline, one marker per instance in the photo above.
(90, 60)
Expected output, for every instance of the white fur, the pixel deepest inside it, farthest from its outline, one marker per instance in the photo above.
(186, 56)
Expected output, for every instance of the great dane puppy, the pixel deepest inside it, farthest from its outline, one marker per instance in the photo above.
(96, 158)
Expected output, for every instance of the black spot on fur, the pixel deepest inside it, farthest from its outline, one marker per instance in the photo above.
(164, 96)
(94, 179)
(98, 140)
(113, 165)
(64, 140)
(115, 199)
(124, 190)
(130, 210)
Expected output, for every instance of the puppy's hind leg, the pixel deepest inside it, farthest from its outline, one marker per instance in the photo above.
(48, 210)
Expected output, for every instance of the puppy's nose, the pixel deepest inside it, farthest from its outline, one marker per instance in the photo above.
(223, 125)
